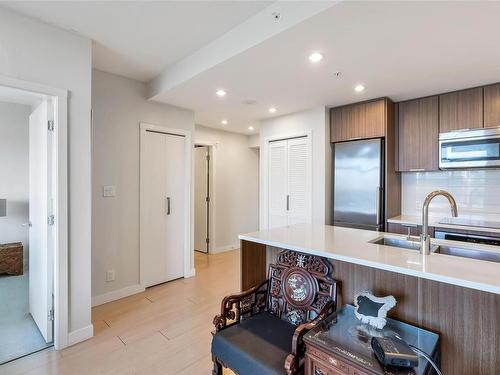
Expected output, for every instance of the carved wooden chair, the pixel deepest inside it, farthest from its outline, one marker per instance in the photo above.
(260, 331)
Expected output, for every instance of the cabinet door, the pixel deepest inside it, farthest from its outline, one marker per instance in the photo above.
(461, 110)
(418, 135)
(492, 106)
(358, 121)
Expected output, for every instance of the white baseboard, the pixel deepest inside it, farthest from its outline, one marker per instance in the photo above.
(191, 273)
(222, 249)
(80, 335)
(117, 294)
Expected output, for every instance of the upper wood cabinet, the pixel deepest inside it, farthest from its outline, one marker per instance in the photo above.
(492, 105)
(358, 121)
(461, 110)
(418, 134)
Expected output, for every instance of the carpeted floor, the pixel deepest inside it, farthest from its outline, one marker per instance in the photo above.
(19, 334)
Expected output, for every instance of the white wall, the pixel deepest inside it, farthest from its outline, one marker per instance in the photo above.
(316, 121)
(119, 105)
(477, 192)
(33, 51)
(236, 185)
(14, 172)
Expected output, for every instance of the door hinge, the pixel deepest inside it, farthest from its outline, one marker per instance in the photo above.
(207, 240)
(50, 125)
(51, 220)
(208, 157)
(207, 199)
(50, 315)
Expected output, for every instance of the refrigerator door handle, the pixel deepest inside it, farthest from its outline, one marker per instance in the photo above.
(377, 203)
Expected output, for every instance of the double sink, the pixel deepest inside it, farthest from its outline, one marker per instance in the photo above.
(413, 243)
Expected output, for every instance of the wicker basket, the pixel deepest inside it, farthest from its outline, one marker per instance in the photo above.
(11, 258)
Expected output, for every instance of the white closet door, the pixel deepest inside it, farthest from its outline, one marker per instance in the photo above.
(176, 209)
(299, 180)
(162, 234)
(277, 194)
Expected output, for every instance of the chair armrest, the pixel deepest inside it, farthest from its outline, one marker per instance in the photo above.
(233, 306)
(301, 330)
(293, 360)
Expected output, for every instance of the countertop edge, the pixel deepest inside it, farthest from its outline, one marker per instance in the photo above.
(382, 266)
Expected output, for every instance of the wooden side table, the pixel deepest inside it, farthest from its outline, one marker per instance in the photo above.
(11, 258)
(342, 346)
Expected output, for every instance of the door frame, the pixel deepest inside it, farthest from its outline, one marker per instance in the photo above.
(213, 176)
(264, 173)
(188, 258)
(59, 99)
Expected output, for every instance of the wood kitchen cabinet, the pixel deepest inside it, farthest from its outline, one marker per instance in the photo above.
(461, 110)
(418, 128)
(492, 105)
(359, 121)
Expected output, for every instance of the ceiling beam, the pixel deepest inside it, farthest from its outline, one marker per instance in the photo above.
(272, 20)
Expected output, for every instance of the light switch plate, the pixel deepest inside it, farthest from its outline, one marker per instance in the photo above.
(109, 191)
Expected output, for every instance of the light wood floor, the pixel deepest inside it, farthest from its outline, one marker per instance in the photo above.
(165, 330)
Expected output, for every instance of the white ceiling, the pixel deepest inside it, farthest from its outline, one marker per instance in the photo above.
(398, 49)
(138, 39)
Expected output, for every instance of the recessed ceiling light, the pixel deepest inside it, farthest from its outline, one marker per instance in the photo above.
(221, 93)
(272, 109)
(250, 128)
(315, 57)
(224, 122)
(359, 88)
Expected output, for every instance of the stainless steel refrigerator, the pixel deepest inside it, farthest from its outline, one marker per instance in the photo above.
(358, 184)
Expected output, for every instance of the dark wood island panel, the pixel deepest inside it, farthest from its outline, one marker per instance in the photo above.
(253, 264)
(467, 320)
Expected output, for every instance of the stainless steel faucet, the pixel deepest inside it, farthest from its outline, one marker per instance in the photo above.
(425, 239)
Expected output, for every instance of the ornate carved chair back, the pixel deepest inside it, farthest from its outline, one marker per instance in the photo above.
(300, 285)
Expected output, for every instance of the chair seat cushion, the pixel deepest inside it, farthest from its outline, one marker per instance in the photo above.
(256, 346)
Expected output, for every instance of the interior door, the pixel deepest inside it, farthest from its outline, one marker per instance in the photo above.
(201, 232)
(278, 181)
(41, 230)
(176, 208)
(299, 189)
(163, 208)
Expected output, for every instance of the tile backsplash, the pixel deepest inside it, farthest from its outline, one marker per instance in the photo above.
(477, 192)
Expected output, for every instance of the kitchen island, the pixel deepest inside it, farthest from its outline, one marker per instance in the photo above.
(459, 298)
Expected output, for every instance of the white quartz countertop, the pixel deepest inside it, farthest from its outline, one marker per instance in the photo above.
(353, 246)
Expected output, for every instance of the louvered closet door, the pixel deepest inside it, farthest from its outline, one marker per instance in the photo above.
(299, 189)
(278, 184)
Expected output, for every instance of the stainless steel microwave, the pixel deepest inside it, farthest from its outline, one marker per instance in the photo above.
(478, 148)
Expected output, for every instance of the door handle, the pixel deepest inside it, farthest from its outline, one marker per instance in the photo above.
(29, 225)
(377, 200)
(288, 203)
(168, 206)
